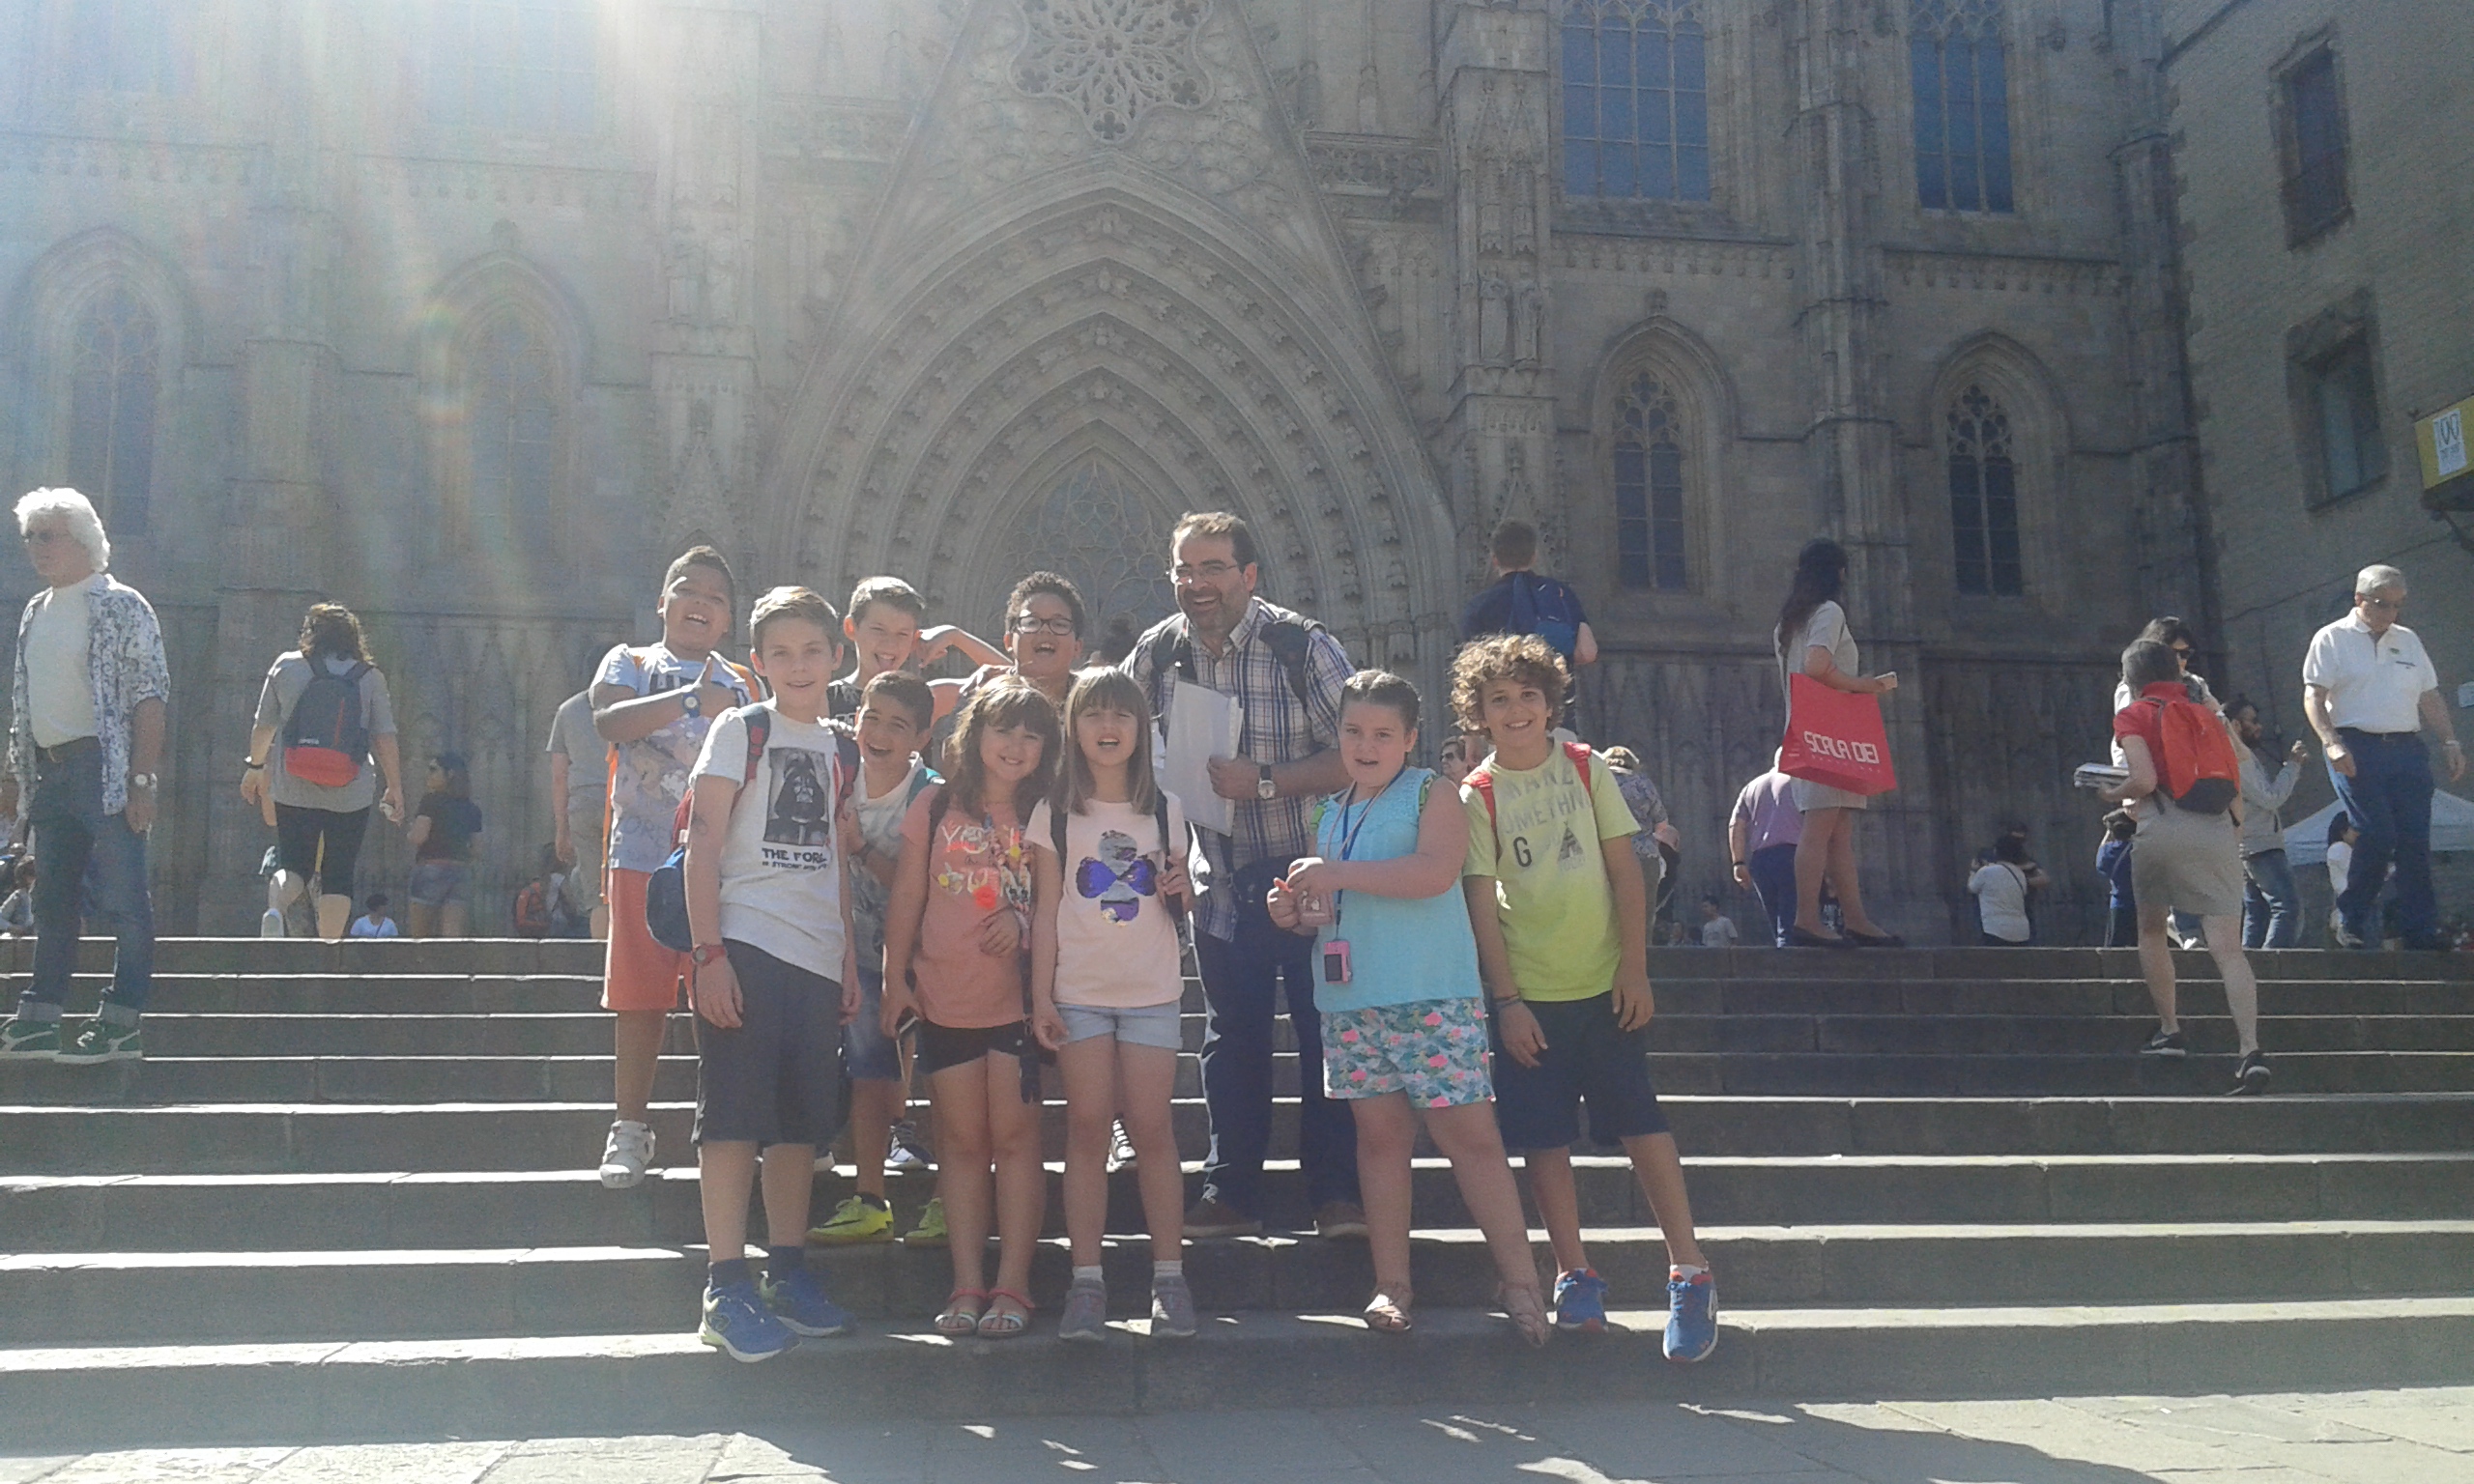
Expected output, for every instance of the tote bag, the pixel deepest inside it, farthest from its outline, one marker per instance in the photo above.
(1835, 738)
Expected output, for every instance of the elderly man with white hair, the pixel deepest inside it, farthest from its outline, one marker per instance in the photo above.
(84, 742)
(2369, 690)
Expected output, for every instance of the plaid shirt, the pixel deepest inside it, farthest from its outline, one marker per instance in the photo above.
(124, 665)
(1278, 729)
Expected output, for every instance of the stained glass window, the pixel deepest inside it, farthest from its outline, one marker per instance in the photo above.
(520, 65)
(1648, 489)
(513, 386)
(1099, 528)
(1984, 498)
(116, 356)
(1636, 100)
(1962, 105)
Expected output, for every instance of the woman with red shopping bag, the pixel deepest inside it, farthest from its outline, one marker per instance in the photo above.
(1830, 752)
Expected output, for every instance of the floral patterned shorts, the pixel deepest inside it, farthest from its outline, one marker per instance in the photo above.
(1434, 1050)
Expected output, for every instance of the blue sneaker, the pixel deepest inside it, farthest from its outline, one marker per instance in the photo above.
(738, 1324)
(1691, 1318)
(799, 1302)
(1580, 1301)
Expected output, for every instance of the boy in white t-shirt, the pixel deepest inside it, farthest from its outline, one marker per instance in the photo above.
(773, 975)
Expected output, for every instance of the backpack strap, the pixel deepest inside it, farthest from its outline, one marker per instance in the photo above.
(1289, 639)
(1581, 758)
(1056, 832)
(759, 719)
(1483, 781)
(846, 752)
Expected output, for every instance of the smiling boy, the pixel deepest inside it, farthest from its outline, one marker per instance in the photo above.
(655, 704)
(1560, 909)
(888, 631)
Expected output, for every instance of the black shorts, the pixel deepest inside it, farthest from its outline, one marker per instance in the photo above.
(944, 1046)
(299, 832)
(777, 1077)
(1587, 1059)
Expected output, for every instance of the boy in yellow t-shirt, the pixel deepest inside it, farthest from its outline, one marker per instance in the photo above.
(1559, 910)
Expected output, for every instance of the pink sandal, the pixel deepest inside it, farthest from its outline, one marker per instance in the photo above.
(996, 1324)
(964, 1307)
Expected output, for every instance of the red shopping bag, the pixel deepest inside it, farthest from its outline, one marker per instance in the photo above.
(1835, 738)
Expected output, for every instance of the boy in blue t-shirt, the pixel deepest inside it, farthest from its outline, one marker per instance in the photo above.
(1560, 909)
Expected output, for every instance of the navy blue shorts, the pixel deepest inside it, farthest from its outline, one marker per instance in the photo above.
(1588, 1060)
(777, 1077)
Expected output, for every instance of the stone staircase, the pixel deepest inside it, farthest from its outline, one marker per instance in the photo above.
(348, 1194)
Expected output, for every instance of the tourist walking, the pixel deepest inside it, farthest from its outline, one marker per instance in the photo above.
(2184, 791)
(580, 808)
(2271, 903)
(444, 829)
(1812, 639)
(1762, 833)
(2369, 690)
(324, 716)
(85, 740)
(1287, 675)
(1522, 601)
(2113, 863)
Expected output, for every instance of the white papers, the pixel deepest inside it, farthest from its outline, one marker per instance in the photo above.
(1202, 725)
(2099, 776)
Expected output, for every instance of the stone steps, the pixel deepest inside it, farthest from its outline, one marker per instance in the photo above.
(569, 1208)
(662, 1381)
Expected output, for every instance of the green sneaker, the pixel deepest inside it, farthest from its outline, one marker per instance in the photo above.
(860, 1218)
(102, 1042)
(30, 1041)
(931, 1230)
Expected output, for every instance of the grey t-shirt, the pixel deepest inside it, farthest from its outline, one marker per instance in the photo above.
(571, 736)
(285, 682)
(1826, 629)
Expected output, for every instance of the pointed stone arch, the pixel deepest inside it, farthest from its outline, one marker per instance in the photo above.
(1985, 376)
(1691, 388)
(1095, 505)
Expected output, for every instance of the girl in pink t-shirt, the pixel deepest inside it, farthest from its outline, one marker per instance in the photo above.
(957, 931)
(1108, 982)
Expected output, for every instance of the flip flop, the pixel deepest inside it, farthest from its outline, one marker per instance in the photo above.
(964, 1309)
(996, 1324)
(1388, 1313)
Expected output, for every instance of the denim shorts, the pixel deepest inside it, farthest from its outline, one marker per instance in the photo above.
(1146, 1025)
(442, 883)
(868, 1054)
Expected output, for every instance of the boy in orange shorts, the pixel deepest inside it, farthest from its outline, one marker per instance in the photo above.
(655, 704)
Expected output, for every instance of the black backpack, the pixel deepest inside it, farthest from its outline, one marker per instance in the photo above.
(327, 739)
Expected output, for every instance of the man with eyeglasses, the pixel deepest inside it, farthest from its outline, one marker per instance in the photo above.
(1287, 675)
(84, 743)
(2369, 690)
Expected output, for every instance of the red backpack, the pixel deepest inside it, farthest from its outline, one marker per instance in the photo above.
(2199, 770)
(1483, 779)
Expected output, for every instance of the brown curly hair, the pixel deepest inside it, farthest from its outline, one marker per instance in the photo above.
(1522, 657)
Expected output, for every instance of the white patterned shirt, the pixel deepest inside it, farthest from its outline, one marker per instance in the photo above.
(124, 664)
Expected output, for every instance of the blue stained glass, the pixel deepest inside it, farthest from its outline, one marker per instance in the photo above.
(1580, 112)
(1580, 55)
(1615, 114)
(1635, 84)
(1657, 173)
(1580, 168)
(1614, 58)
(1692, 118)
(1622, 178)
(1691, 62)
(1655, 126)
(1656, 65)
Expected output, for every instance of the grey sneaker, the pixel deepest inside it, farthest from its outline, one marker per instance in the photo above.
(625, 1158)
(1086, 1312)
(1120, 1149)
(1172, 1309)
(103, 1041)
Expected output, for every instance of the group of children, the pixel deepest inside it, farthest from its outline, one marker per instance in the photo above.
(850, 907)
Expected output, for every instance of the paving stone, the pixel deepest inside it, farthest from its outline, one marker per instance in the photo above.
(437, 1463)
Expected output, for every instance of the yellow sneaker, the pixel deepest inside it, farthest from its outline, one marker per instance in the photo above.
(860, 1218)
(931, 1230)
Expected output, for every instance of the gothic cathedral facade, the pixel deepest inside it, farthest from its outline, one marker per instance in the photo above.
(469, 312)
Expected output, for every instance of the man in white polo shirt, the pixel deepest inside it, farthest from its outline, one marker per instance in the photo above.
(2368, 690)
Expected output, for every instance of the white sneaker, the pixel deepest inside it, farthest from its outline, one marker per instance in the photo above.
(1120, 1149)
(629, 1151)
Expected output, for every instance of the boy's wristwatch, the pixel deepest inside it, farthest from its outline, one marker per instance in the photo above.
(691, 703)
(1264, 787)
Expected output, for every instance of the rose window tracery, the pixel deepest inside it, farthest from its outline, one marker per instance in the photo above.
(1114, 60)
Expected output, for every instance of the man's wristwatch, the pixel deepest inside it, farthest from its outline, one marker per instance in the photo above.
(705, 953)
(145, 780)
(1264, 787)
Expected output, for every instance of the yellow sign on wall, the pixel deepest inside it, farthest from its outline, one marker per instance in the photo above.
(2448, 461)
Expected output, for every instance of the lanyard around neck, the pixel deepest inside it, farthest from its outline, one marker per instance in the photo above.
(1349, 834)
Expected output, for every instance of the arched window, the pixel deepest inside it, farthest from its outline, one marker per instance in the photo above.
(1636, 100)
(1984, 498)
(1962, 105)
(512, 384)
(520, 65)
(1098, 529)
(1648, 489)
(116, 370)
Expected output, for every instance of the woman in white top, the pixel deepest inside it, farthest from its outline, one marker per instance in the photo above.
(1812, 634)
(2000, 887)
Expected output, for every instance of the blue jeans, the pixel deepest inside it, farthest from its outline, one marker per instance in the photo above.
(2271, 907)
(79, 850)
(2389, 800)
(1241, 983)
(1773, 870)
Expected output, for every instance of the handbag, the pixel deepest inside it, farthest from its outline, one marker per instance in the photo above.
(1835, 738)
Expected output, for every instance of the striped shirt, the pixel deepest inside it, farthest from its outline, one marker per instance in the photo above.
(1278, 729)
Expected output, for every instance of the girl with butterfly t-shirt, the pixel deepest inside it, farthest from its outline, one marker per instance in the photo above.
(957, 933)
(1108, 982)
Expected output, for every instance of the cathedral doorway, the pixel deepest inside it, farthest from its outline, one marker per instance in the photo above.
(1100, 527)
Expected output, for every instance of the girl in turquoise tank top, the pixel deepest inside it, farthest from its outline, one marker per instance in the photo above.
(1404, 1020)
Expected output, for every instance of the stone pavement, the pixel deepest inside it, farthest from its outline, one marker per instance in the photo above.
(2402, 1437)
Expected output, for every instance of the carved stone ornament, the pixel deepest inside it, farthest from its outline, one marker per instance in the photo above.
(1114, 60)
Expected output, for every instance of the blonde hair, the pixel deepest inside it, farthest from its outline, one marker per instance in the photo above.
(1008, 700)
(1106, 690)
